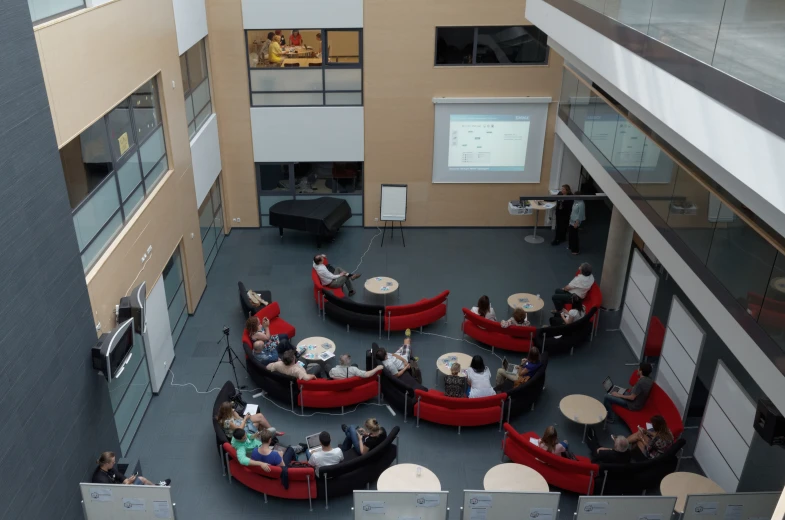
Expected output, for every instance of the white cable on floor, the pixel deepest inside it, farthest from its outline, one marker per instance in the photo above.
(369, 248)
(463, 340)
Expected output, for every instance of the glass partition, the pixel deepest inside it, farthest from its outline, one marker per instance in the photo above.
(491, 45)
(196, 86)
(40, 10)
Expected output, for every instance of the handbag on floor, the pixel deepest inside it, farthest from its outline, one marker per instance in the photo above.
(414, 368)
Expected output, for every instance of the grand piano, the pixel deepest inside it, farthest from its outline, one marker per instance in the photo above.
(322, 216)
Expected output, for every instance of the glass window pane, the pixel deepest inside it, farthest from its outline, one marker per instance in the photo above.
(176, 306)
(328, 177)
(128, 439)
(266, 202)
(94, 213)
(210, 257)
(691, 215)
(197, 63)
(191, 130)
(147, 112)
(133, 202)
(208, 240)
(101, 241)
(343, 79)
(304, 99)
(770, 315)
(152, 150)
(205, 217)
(343, 46)
(344, 98)
(118, 122)
(133, 396)
(189, 109)
(155, 174)
(273, 176)
(286, 80)
(178, 328)
(86, 161)
(184, 75)
(173, 275)
(129, 176)
(511, 45)
(454, 45)
(219, 226)
(201, 96)
(203, 115)
(117, 387)
(40, 9)
(215, 193)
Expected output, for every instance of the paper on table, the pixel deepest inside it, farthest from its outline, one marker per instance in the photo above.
(706, 508)
(374, 507)
(134, 504)
(100, 494)
(649, 426)
(427, 500)
(733, 512)
(324, 356)
(251, 408)
(161, 509)
(481, 500)
(478, 513)
(541, 513)
(534, 441)
(596, 508)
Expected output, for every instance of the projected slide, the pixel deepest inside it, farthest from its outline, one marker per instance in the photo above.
(488, 142)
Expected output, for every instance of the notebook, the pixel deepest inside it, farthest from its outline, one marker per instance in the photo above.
(610, 387)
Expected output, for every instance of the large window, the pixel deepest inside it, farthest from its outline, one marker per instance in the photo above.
(174, 287)
(305, 67)
(196, 86)
(511, 45)
(40, 10)
(211, 224)
(112, 166)
(286, 181)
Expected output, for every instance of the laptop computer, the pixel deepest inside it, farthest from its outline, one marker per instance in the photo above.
(312, 441)
(510, 369)
(610, 387)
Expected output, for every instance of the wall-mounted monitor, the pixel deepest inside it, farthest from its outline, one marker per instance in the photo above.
(113, 350)
(133, 306)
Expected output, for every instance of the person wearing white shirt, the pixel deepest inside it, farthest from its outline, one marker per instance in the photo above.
(575, 291)
(327, 456)
(333, 277)
(479, 379)
(346, 370)
(484, 308)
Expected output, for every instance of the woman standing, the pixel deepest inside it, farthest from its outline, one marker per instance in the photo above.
(563, 211)
(577, 216)
(479, 379)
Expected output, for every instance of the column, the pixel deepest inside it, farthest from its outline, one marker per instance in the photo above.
(617, 256)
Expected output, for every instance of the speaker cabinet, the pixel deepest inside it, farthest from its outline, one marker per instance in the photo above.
(769, 422)
(133, 306)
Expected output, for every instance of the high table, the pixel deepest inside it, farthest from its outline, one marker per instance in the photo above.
(683, 483)
(403, 477)
(514, 477)
(583, 410)
(537, 206)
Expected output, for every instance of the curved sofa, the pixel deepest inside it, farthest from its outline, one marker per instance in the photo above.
(318, 288)
(526, 394)
(564, 338)
(433, 406)
(277, 324)
(517, 339)
(658, 403)
(635, 478)
(334, 393)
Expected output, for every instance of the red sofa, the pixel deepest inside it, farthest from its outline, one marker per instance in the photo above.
(654, 338)
(302, 481)
(318, 287)
(413, 315)
(434, 406)
(593, 299)
(277, 324)
(332, 393)
(572, 475)
(658, 403)
(491, 333)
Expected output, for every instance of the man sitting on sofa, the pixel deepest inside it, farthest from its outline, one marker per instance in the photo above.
(637, 397)
(244, 444)
(346, 369)
(327, 456)
(288, 365)
(619, 454)
(333, 277)
(402, 361)
(575, 291)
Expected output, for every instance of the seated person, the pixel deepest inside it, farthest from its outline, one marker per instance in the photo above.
(346, 369)
(455, 383)
(566, 317)
(334, 277)
(107, 473)
(479, 379)
(266, 347)
(399, 363)
(295, 40)
(637, 397)
(275, 52)
(484, 308)
(519, 319)
(244, 445)
(327, 456)
(288, 365)
(230, 420)
(575, 291)
(274, 456)
(364, 439)
(652, 443)
(619, 454)
(550, 442)
(528, 367)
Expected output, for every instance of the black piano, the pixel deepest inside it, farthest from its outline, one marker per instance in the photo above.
(322, 216)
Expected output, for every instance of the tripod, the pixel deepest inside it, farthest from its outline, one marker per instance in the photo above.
(230, 357)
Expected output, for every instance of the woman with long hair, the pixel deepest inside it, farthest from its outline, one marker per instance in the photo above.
(230, 420)
(267, 347)
(363, 439)
(484, 308)
(563, 211)
(652, 443)
(550, 441)
(479, 378)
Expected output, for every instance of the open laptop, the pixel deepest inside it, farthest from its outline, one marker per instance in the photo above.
(511, 369)
(312, 441)
(610, 387)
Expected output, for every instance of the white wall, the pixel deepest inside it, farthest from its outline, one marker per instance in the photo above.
(741, 156)
(190, 20)
(160, 349)
(206, 158)
(323, 134)
(302, 14)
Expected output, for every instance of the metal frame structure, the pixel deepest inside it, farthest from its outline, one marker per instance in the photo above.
(526, 28)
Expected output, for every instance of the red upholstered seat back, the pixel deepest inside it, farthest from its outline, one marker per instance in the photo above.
(299, 474)
(436, 398)
(654, 338)
(495, 326)
(247, 338)
(420, 306)
(335, 385)
(659, 402)
(270, 312)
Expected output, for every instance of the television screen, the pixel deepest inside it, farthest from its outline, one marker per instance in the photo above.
(113, 348)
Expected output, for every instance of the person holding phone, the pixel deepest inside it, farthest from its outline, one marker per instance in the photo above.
(363, 439)
(528, 367)
(107, 473)
(230, 420)
(652, 443)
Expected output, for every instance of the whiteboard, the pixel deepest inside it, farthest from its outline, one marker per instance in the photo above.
(393, 202)
(414, 505)
(742, 505)
(160, 349)
(122, 502)
(503, 505)
(625, 508)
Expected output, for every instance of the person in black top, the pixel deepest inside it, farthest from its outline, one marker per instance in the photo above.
(619, 454)
(365, 439)
(563, 211)
(106, 473)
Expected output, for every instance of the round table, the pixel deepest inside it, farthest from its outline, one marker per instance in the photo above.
(403, 477)
(583, 410)
(536, 206)
(778, 284)
(314, 346)
(514, 477)
(683, 483)
(526, 301)
(445, 361)
(381, 285)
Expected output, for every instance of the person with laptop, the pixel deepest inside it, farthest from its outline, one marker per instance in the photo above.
(575, 291)
(323, 454)
(346, 369)
(632, 399)
(519, 373)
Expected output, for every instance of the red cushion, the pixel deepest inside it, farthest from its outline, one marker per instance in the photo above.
(277, 324)
(317, 287)
(420, 306)
(492, 333)
(658, 403)
(436, 407)
(413, 321)
(655, 338)
(327, 393)
(593, 298)
(572, 475)
(302, 481)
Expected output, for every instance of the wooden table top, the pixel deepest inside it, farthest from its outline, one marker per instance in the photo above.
(319, 344)
(530, 303)
(381, 285)
(403, 477)
(444, 362)
(514, 477)
(683, 483)
(583, 409)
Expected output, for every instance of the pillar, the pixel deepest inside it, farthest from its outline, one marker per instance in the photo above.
(617, 256)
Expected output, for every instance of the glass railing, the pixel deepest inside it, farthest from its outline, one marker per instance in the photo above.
(745, 263)
(743, 38)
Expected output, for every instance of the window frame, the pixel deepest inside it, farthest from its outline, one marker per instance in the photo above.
(216, 245)
(326, 65)
(474, 63)
(188, 92)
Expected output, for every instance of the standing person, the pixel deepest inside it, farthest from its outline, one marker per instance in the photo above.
(363, 439)
(484, 308)
(479, 379)
(106, 473)
(455, 384)
(275, 55)
(319, 46)
(637, 397)
(334, 277)
(577, 216)
(575, 291)
(295, 40)
(563, 210)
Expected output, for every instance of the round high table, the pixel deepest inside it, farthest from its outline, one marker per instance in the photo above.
(403, 477)
(526, 301)
(445, 361)
(538, 206)
(381, 285)
(683, 483)
(584, 410)
(514, 477)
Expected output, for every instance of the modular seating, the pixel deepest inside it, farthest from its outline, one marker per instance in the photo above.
(220, 436)
(318, 288)
(249, 309)
(654, 339)
(334, 393)
(526, 394)
(517, 339)
(434, 406)
(278, 386)
(564, 338)
(635, 478)
(398, 392)
(277, 324)
(592, 300)
(572, 475)
(658, 403)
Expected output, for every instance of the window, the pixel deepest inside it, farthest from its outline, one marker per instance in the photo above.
(513, 45)
(40, 10)
(211, 224)
(111, 167)
(305, 67)
(196, 86)
(174, 287)
(287, 181)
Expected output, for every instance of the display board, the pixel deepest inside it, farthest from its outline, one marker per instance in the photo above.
(731, 506)
(393, 202)
(503, 505)
(158, 338)
(410, 505)
(639, 296)
(625, 508)
(489, 140)
(119, 501)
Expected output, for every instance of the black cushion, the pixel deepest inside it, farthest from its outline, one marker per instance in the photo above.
(353, 306)
(248, 308)
(223, 395)
(397, 391)
(279, 386)
(351, 318)
(636, 477)
(526, 394)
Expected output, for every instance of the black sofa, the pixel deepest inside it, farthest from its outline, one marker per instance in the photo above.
(398, 392)
(220, 437)
(357, 471)
(278, 386)
(248, 308)
(355, 314)
(523, 398)
(636, 477)
(564, 338)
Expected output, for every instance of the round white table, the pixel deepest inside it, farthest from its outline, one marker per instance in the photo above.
(583, 410)
(683, 483)
(538, 206)
(314, 346)
(403, 477)
(381, 285)
(514, 477)
(445, 361)
(526, 301)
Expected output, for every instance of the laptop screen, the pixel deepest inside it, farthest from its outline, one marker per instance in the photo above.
(607, 384)
(313, 441)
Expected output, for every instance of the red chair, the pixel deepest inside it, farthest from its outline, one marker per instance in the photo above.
(331, 393)
(317, 288)
(573, 475)
(593, 299)
(277, 324)
(518, 339)
(658, 403)
(302, 481)
(436, 407)
(654, 339)
(413, 315)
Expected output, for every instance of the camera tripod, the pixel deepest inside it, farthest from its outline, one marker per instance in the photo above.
(230, 358)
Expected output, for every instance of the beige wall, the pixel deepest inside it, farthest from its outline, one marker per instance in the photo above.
(91, 60)
(400, 82)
